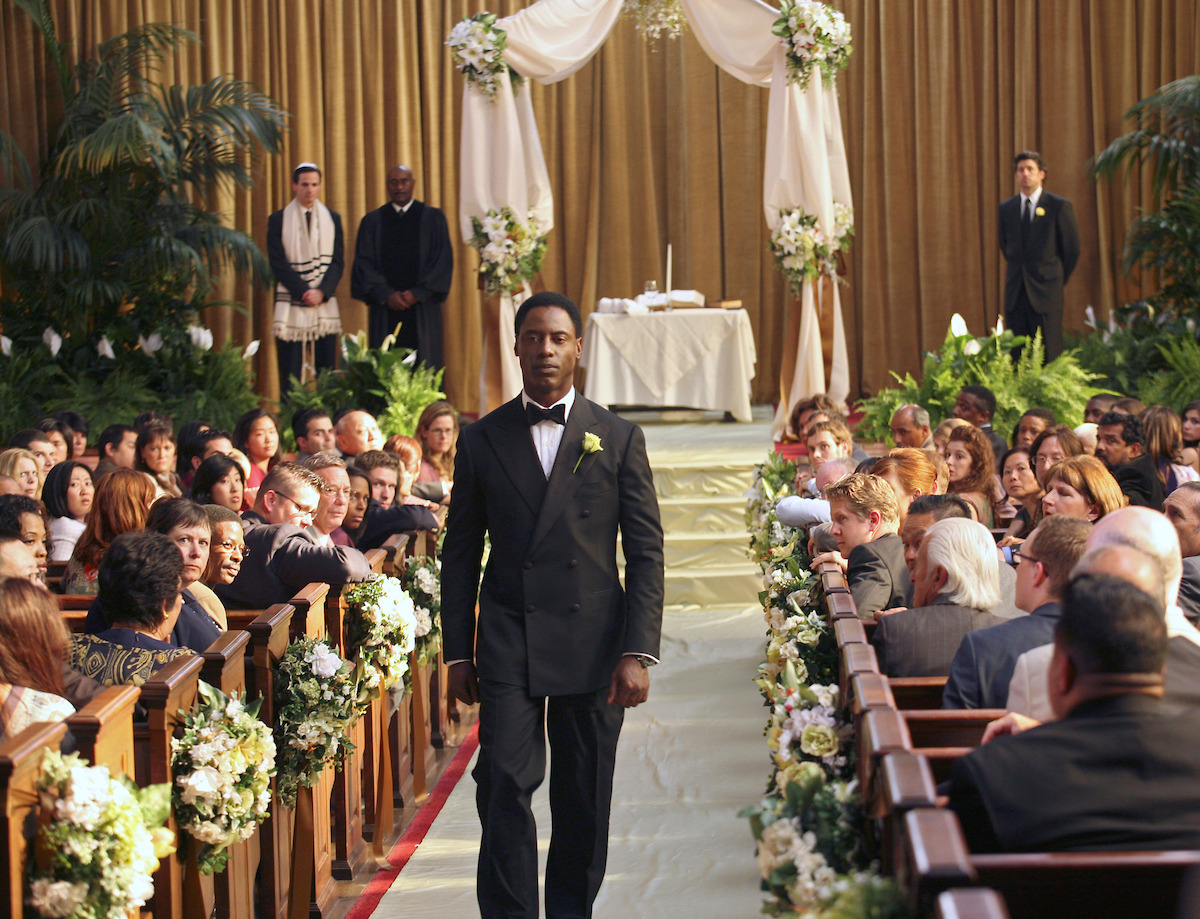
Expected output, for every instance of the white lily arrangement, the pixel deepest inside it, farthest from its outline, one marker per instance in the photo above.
(814, 36)
(99, 841)
(654, 18)
(381, 630)
(477, 47)
(510, 252)
(803, 251)
(422, 578)
(316, 703)
(222, 766)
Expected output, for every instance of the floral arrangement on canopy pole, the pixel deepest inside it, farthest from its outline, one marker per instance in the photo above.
(803, 252)
(510, 251)
(477, 46)
(815, 36)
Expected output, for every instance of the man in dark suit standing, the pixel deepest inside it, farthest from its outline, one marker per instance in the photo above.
(1040, 241)
(559, 647)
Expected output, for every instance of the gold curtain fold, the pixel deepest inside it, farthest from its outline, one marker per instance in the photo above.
(651, 143)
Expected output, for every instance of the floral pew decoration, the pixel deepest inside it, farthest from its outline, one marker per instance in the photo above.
(773, 479)
(422, 579)
(222, 766)
(99, 840)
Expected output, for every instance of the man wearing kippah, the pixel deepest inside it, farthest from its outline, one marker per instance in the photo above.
(305, 248)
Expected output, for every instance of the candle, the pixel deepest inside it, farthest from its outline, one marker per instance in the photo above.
(668, 274)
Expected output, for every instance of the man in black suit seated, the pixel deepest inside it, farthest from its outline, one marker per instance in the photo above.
(865, 517)
(983, 665)
(956, 581)
(282, 554)
(977, 404)
(1120, 770)
(1120, 444)
(1182, 507)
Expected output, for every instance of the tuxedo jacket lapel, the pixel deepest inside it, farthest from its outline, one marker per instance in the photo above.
(564, 480)
(513, 445)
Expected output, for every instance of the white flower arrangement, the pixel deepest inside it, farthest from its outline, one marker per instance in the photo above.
(222, 766)
(814, 36)
(101, 839)
(803, 252)
(510, 252)
(654, 18)
(477, 47)
(422, 578)
(316, 703)
(381, 630)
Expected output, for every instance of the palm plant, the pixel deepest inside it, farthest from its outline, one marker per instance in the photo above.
(110, 238)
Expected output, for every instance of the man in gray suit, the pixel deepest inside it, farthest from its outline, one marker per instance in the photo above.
(956, 581)
(282, 554)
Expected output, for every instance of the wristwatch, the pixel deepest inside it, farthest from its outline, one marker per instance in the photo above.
(644, 659)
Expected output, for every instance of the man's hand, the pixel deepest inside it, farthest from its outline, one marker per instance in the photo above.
(312, 297)
(395, 300)
(880, 613)
(836, 557)
(1012, 723)
(462, 682)
(408, 298)
(630, 684)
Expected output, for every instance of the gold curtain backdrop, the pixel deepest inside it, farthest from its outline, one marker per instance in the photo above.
(650, 143)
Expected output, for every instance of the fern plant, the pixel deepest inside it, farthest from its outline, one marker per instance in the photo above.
(1179, 382)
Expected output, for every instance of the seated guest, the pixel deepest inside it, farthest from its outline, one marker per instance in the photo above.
(33, 646)
(801, 415)
(1023, 489)
(9, 486)
(910, 427)
(1120, 771)
(213, 442)
(972, 471)
(408, 453)
(141, 595)
(1182, 509)
(283, 555)
(38, 444)
(1120, 443)
(118, 449)
(188, 448)
(1052, 446)
(1087, 433)
(941, 434)
(910, 474)
(864, 517)
(1080, 486)
(25, 518)
(360, 500)
(1031, 424)
(61, 439)
(122, 502)
(801, 511)
(24, 468)
(219, 480)
(313, 430)
(370, 526)
(1128, 405)
(257, 435)
(383, 472)
(983, 665)
(857, 453)
(437, 432)
(67, 494)
(827, 440)
(1143, 549)
(18, 561)
(335, 498)
(943, 471)
(357, 432)
(977, 405)
(1191, 429)
(78, 427)
(228, 546)
(1098, 406)
(955, 584)
(1163, 434)
(156, 458)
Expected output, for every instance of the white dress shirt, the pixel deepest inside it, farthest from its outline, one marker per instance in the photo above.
(546, 434)
(1032, 199)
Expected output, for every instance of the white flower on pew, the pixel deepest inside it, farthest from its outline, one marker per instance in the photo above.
(203, 786)
(57, 898)
(325, 663)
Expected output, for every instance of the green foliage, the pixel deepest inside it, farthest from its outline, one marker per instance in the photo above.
(384, 381)
(1166, 242)
(1179, 382)
(1062, 385)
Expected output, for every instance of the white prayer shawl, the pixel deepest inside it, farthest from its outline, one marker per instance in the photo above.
(310, 255)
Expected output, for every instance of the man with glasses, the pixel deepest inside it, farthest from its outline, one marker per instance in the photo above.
(984, 663)
(284, 552)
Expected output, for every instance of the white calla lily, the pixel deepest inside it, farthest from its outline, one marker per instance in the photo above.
(251, 350)
(53, 341)
(958, 326)
(105, 349)
(5, 346)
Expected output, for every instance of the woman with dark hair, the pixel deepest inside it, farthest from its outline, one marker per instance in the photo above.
(156, 458)
(972, 463)
(79, 430)
(122, 502)
(189, 444)
(219, 480)
(33, 648)
(1174, 462)
(257, 435)
(368, 525)
(1191, 425)
(1022, 487)
(23, 517)
(1052, 446)
(67, 494)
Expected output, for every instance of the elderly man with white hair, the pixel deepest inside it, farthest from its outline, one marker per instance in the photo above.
(1129, 537)
(956, 584)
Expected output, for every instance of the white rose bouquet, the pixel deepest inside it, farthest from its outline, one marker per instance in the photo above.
(477, 47)
(422, 578)
(316, 703)
(510, 252)
(99, 841)
(803, 252)
(222, 765)
(814, 36)
(381, 630)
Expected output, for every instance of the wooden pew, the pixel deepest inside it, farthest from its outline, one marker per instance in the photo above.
(943, 735)
(971, 903)
(918, 692)
(1065, 885)
(103, 729)
(905, 782)
(20, 765)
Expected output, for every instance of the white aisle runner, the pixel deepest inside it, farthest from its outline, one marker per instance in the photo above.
(688, 760)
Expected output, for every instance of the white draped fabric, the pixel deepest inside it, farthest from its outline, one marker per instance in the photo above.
(503, 164)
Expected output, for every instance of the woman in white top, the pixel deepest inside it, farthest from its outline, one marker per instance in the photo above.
(68, 495)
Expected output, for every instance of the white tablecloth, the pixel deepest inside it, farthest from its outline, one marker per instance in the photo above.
(696, 358)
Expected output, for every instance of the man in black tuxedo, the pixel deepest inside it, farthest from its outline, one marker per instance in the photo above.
(1040, 242)
(1121, 444)
(558, 645)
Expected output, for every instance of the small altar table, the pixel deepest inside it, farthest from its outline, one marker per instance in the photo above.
(694, 358)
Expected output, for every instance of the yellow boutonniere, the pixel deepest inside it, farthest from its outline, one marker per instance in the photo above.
(1039, 212)
(591, 444)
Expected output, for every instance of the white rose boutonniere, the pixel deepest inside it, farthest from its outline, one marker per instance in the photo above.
(591, 444)
(1039, 212)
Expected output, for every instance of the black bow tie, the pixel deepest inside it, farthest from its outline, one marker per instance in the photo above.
(535, 413)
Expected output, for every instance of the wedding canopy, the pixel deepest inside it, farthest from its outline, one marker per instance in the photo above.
(503, 165)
